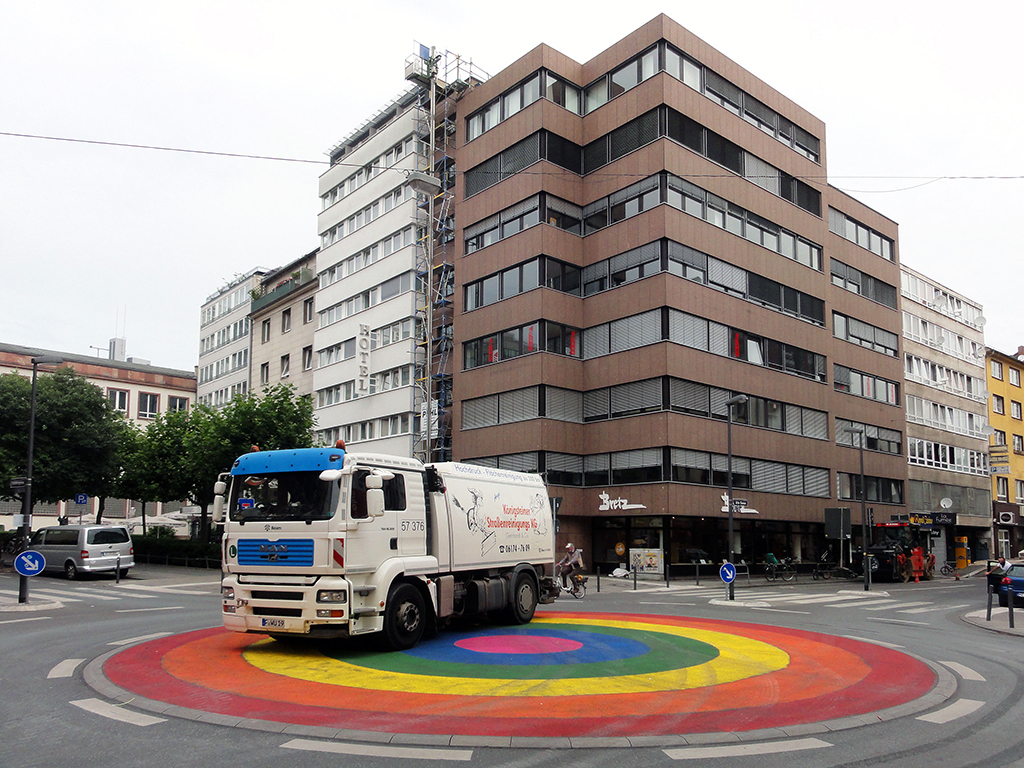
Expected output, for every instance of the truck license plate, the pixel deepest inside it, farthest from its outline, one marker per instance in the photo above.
(273, 623)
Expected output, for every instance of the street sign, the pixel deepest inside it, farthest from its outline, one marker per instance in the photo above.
(19, 483)
(727, 572)
(81, 498)
(29, 563)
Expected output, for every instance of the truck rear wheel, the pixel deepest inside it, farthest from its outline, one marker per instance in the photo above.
(405, 617)
(524, 600)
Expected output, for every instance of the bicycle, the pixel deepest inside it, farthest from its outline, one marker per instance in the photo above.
(578, 588)
(948, 568)
(16, 544)
(784, 569)
(823, 568)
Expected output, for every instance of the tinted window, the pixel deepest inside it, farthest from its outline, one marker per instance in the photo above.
(107, 536)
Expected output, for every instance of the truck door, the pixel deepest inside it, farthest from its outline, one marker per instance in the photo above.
(372, 540)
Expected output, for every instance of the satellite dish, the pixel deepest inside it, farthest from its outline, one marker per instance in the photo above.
(946, 502)
(988, 430)
(980, 321)
(939, 341)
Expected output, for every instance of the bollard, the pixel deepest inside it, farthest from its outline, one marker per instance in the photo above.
(598, 572)
(988, 614)
(1009, 606)
(634, 578)
(696, 567)
(117, 571)
(666, 575)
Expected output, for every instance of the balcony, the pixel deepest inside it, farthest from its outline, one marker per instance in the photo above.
(298, 279)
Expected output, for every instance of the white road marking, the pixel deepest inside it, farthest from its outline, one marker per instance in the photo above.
(876, 642)
(742, 750)
(777, 610)
(139, 639)
(380, 750)
(957, 709)
(827, 599)
(936, 608)
(652, 602)
(83, 595)
(65, 669)
(105, 709)
(965, 672)
(143, 610)
(35, 591)
(899, 621)
(864, 605)
(19, 621)
(902, 605)
(168, 590)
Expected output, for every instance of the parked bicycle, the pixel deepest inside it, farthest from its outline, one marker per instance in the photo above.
(783, 569)
(16, 544)
(577, 585)
(948, 568)
(824, 567)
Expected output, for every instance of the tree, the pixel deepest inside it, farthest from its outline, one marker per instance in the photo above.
(77, 436)
(276, 419)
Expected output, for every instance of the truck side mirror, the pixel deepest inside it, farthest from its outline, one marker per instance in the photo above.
(219, 489)
(375, 502)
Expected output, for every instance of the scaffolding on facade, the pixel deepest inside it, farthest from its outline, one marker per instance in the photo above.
(443, 78)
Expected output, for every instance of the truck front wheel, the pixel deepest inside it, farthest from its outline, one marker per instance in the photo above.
(404, 617)
(524, 600)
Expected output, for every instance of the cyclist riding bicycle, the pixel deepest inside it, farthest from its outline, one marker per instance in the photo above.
(571, 565)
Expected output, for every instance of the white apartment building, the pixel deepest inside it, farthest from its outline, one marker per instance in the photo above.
(947, 414)
(368, 359)
(223, 370)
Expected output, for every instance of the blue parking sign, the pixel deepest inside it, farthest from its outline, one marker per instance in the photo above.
(81, 498)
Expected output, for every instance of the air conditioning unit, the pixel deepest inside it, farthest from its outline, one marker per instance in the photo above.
(1005, 518)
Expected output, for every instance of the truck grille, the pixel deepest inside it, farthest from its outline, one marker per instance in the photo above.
(296, 553)
(266, 594)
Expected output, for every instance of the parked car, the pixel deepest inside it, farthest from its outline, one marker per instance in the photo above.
(76, 549)
(1012, 583)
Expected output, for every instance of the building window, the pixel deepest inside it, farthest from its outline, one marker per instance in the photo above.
(177, 403)
(1003, 488)
(307, 359)
(149, 405)
(1019, 488)
(265, 373)
(1015, 377)
(998, 405)
(999, 437)
(1015, 410)
(118, 400)
(308, 311)
(285, 364)
(286, 321)
(997, 369)
(265, 331)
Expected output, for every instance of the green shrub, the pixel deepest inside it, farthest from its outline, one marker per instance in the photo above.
(159, 549)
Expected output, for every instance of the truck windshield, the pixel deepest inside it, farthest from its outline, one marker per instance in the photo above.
(281, 496)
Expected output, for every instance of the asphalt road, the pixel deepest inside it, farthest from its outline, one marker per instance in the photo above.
(50, 716)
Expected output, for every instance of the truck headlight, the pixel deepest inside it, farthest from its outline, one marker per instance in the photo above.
(228, 593)
(332, 596)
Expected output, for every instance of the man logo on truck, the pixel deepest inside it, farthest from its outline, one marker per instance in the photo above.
(475, 519)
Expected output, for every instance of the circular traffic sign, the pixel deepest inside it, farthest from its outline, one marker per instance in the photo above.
(727, 572)
(29, 563)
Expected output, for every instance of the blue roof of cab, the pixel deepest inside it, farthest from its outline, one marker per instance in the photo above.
(297, 460)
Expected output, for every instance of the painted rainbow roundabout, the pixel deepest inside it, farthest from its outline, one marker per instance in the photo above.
(564, 674)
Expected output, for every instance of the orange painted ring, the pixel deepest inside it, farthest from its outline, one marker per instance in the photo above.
(825, 678)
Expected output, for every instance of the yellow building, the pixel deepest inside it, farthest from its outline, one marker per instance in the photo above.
(1006, 452)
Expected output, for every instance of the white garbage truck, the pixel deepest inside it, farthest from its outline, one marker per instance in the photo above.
(323, 543)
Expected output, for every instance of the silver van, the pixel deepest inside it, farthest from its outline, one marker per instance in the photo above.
(78, 549)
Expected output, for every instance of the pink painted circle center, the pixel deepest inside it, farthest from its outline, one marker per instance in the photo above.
(518, 644)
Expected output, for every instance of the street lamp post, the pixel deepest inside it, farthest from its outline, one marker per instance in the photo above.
(26, 499)
(864, 564)
(732, 401)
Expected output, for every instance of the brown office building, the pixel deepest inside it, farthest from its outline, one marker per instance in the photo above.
(643, 238)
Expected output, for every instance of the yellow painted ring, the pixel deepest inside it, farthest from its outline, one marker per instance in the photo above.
(739, 658)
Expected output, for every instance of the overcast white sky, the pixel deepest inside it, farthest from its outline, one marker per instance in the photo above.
(98, 241)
